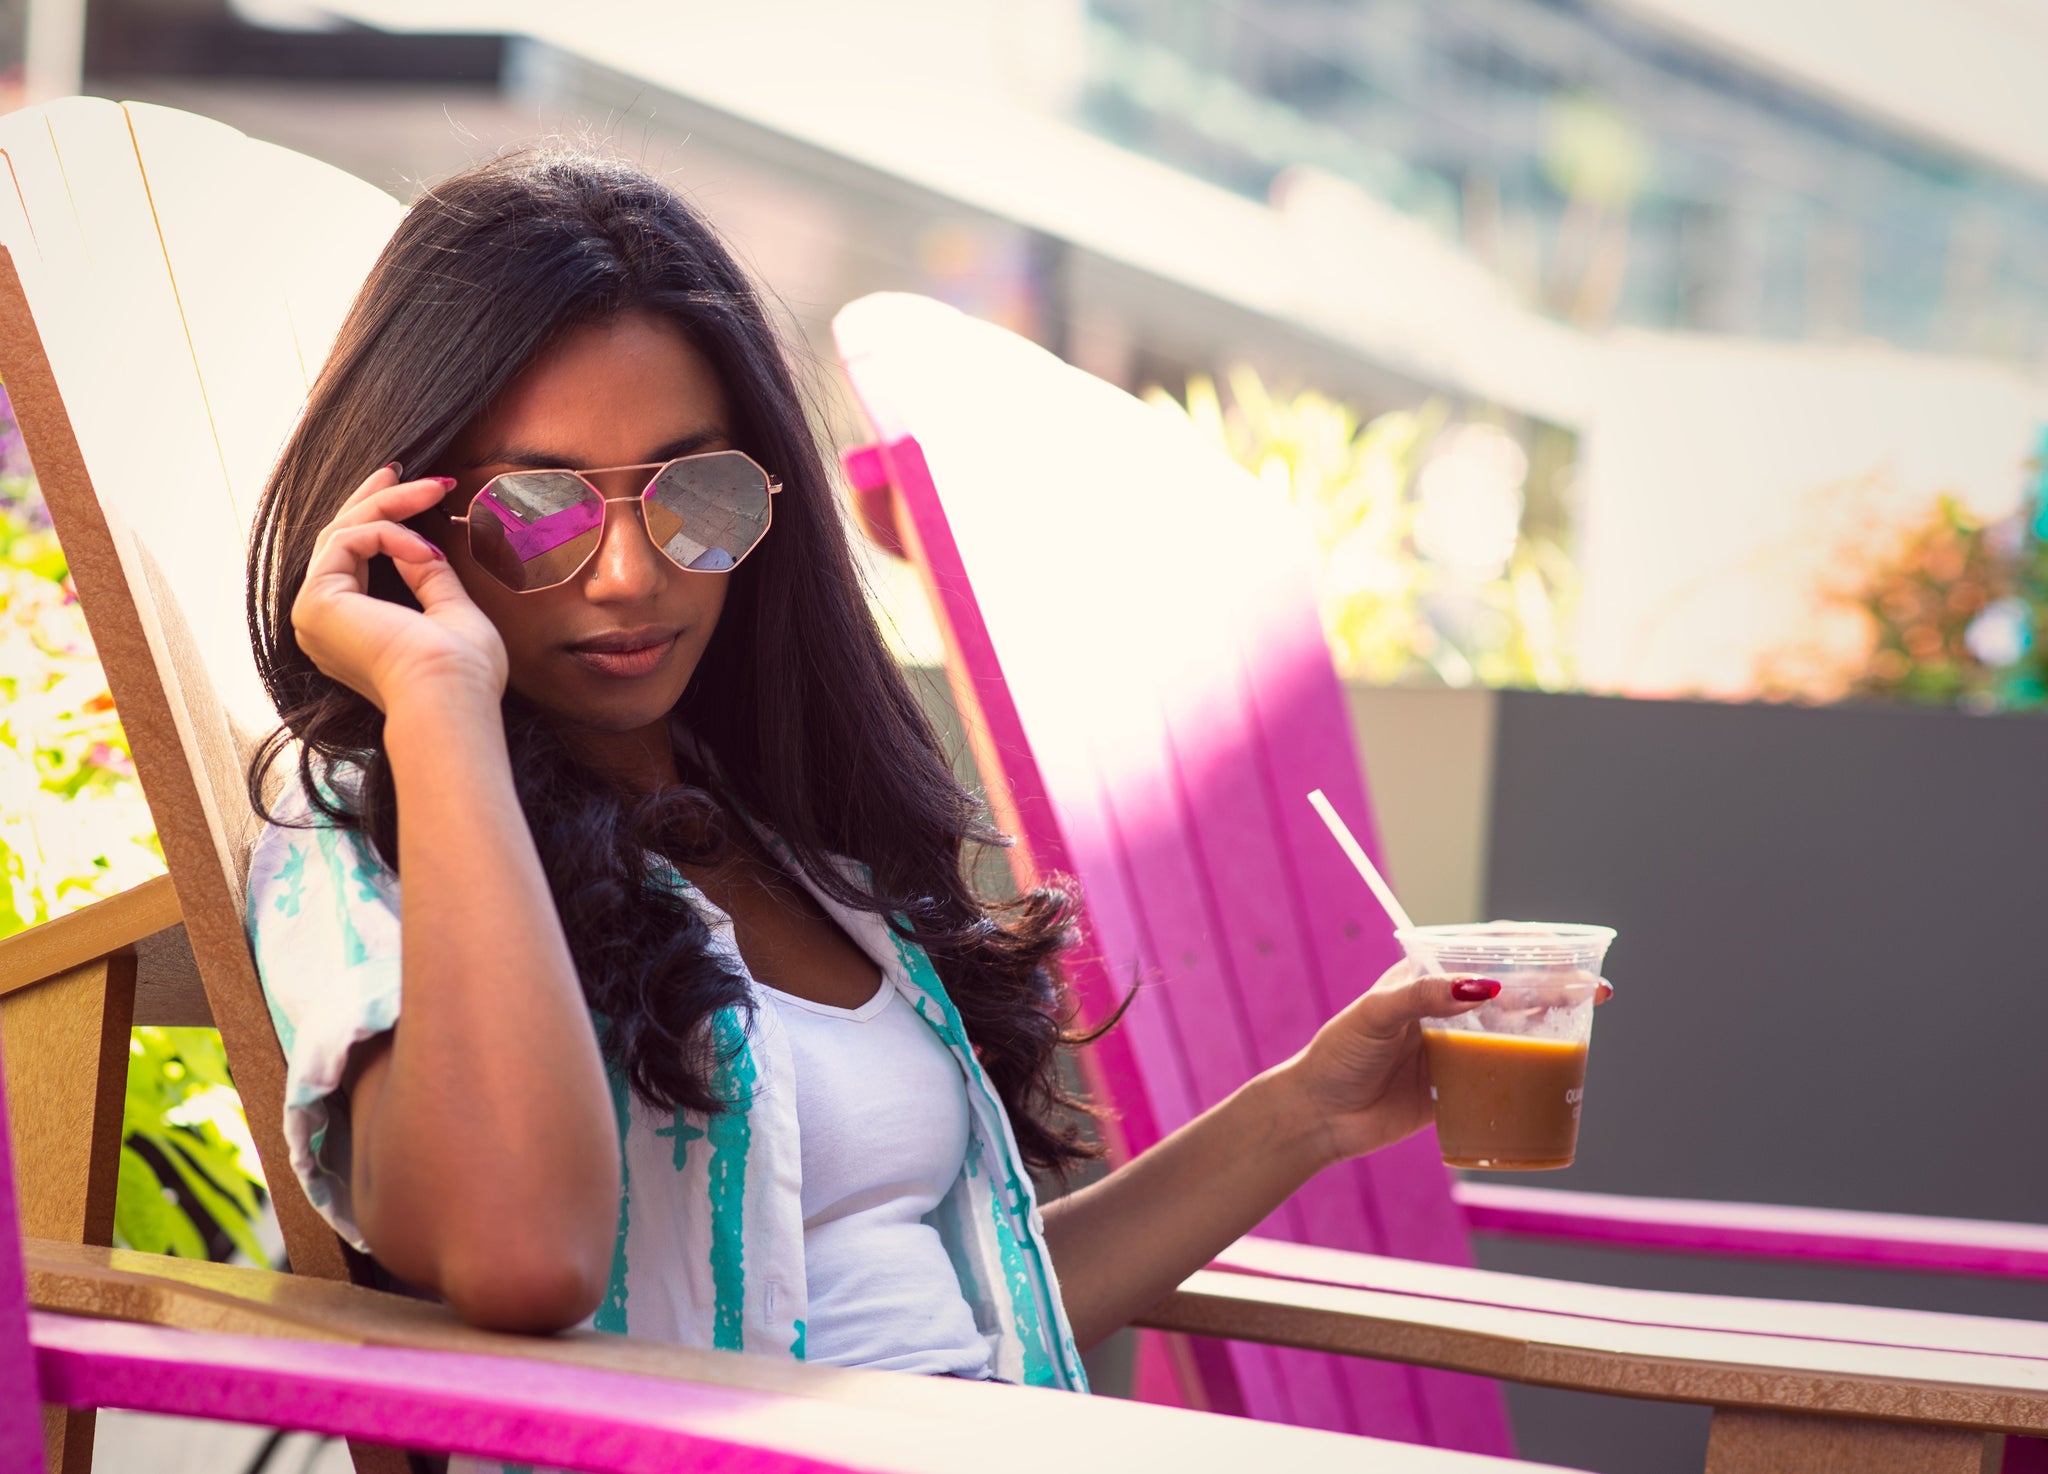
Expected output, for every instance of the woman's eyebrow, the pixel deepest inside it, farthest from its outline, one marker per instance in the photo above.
(691, 443)
(525, 457)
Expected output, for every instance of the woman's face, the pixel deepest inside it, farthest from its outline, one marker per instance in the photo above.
(611, 650)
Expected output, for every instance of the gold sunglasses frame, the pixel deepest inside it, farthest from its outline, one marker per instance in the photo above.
(655, 468)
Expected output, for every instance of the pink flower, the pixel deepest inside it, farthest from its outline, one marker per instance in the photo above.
(111, 758)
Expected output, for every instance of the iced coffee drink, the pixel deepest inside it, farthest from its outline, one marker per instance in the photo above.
(1508, 1078)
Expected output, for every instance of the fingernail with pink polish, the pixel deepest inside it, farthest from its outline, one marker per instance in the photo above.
(395, 469)
(447, 481)
(1474, 990)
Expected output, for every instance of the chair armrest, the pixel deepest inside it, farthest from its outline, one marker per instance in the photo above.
(1954, 1371)
(878, 1421)
(87, 935)
(227, 1299)
(486, 1406)
(1840, 1361)
(1753, 1230)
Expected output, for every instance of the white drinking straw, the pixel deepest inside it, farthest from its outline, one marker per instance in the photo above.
(1362, 861)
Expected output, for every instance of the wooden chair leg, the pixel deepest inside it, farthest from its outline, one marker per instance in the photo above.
(67, 1440)
(66, 1039)
(1745, 1442)
(66, 1042)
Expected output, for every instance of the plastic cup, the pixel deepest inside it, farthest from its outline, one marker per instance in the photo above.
(1507, 1078)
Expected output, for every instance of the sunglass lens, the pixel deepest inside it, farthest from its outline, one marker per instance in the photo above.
(707, 512)
(534, 529)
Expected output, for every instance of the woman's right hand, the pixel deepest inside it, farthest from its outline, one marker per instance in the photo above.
(384, 651)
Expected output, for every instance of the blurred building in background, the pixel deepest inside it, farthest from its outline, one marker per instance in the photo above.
(1738, 281)
(1609, 168)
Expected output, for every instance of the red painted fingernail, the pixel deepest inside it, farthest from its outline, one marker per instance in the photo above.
(447, 481)
(1474, 990)
(395, 469)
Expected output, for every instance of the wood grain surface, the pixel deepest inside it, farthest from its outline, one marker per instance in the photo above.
(1742, 1442)
(168, 988)
(65, 1039)
(86, 935)
(1961, 1389)
(66, 1043)
(1931, 1330)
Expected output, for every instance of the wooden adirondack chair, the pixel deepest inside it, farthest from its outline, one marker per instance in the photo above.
(170, 288)
(1137, 660)
(144, 327)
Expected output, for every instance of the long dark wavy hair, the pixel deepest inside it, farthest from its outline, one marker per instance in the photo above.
(797, 701)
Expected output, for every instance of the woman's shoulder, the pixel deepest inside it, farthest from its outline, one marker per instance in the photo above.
(307, 845)
(289, 813)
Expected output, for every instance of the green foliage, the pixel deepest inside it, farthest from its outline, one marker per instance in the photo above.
(74, 829)
(182, 1105)
(1384, 514)
(1921, 603)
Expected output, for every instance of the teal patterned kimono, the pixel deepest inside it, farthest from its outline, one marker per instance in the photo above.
(710, 1248)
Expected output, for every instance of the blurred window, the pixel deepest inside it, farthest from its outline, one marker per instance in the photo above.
(1610, 171)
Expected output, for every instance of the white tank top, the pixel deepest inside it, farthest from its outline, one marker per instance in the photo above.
(882, 1115)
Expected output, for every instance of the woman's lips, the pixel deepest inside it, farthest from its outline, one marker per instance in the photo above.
(628, 654)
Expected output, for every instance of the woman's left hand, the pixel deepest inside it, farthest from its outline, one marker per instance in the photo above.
(1125, 1240)
(1362, 1077)
(1361, 1080)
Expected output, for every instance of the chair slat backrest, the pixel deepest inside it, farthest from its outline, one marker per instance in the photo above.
(231, 303)
(1133, 637)
(177, 287)
(327, 230)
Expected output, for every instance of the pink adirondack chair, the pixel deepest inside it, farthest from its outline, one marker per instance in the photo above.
(1149, 698)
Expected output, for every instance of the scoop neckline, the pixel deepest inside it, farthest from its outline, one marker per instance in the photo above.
(858, 1015)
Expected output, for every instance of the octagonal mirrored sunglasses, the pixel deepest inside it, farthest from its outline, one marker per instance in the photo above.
(533, 530)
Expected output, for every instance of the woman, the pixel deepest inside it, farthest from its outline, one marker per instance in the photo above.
(705, 1033)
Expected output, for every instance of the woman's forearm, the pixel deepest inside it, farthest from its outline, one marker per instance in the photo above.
(486, 1153)
(1122, 1243)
